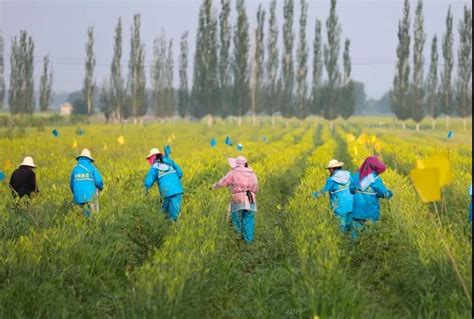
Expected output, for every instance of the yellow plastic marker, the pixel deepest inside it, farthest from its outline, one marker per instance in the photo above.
(105, 147)
(121, 140)
(362, 139)
(441, 162)
(426, 182)
(373, 139)
(378, 146)
(350, 138)
(74, 144)
(7, 165)
(356, 150)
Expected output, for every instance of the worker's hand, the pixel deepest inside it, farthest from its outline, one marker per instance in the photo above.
(389, 195)
(211, 188)
(316, 195)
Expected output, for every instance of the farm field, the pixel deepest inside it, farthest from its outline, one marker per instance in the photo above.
(129, 262)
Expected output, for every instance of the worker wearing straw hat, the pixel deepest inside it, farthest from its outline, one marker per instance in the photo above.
(341, 199)
(167, 174)
(23, 179)
(86, 183)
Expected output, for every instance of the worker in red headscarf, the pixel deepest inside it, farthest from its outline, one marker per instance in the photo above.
(367, 187)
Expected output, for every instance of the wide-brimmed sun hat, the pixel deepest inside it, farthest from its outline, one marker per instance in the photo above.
(87, 154)
(28, 161)
(334, 164)
(153, 151)
(239, 161)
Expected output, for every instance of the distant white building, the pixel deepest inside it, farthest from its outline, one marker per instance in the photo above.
(66, 109)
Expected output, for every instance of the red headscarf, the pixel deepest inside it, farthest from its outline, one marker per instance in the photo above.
(371, 164)
(151, 160)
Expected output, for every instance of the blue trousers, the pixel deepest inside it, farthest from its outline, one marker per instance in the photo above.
(172, 206)
(244, 223)
(345, 222)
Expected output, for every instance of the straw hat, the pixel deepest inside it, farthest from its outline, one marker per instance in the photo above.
(334, 164)
(239, 161)
(87, 154)
(153, 151)
(28, 161)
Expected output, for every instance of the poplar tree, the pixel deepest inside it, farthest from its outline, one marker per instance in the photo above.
(21, 90)
(117, 84)
(258, 63)
(183, 93)
(272, 64)
(158, 75)
(464, 81)
(241, 62)
(136, 76)
(331, 57)
(106, 100)
(317, 69)
(2, 72)
(446, 73)
(46, 85)
(302, 57)
(288, 72)
(169, 77)
(205, 91)
(89, 84)
(418, 93)
(399, 94)
(225, 39)
(348, 100)
(432, 83)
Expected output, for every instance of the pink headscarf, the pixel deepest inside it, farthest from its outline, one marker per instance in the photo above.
(371, 164)
(237, 162)
(151, 160)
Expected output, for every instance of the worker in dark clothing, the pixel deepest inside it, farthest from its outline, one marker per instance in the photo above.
(23, 180)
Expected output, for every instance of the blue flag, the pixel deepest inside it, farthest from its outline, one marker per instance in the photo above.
(213, 143)
(264, 139)
(55, 133)
(2, 176)
(167, 151)
(228, 141)
(80, 132)
(451, 134)
(240, 147)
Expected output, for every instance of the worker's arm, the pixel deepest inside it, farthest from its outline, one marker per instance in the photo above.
(380, 189)
(151, 177)
(224, 182)
(327, 188)
(99, 182)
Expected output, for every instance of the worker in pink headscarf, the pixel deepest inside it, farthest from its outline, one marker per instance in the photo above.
(367, 187)
(243, 184)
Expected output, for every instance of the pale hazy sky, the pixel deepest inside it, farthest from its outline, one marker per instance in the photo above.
(59, 29)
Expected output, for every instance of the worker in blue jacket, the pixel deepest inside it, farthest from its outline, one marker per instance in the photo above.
(341, 199)
(368, 188)
(167, 174)
(86, 183)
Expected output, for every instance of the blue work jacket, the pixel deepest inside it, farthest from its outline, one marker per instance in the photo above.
(167, 174)
(85, 181)
(366, 196)
(340, 196)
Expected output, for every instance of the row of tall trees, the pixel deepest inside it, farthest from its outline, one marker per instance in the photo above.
(253, 76)
(413, 96)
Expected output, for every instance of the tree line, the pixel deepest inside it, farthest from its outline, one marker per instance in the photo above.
(238, 69)
(413, 96)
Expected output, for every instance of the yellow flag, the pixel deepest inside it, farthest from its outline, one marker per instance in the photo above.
(362, 139)
(356, 150)
(350, 138)
(7, 165)
(442, 163)
(173, 136)
(373, 139)
(105, 147)
(121, 140)
(170, 139)
(74, 144)
(378, 146)
(427, 183)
